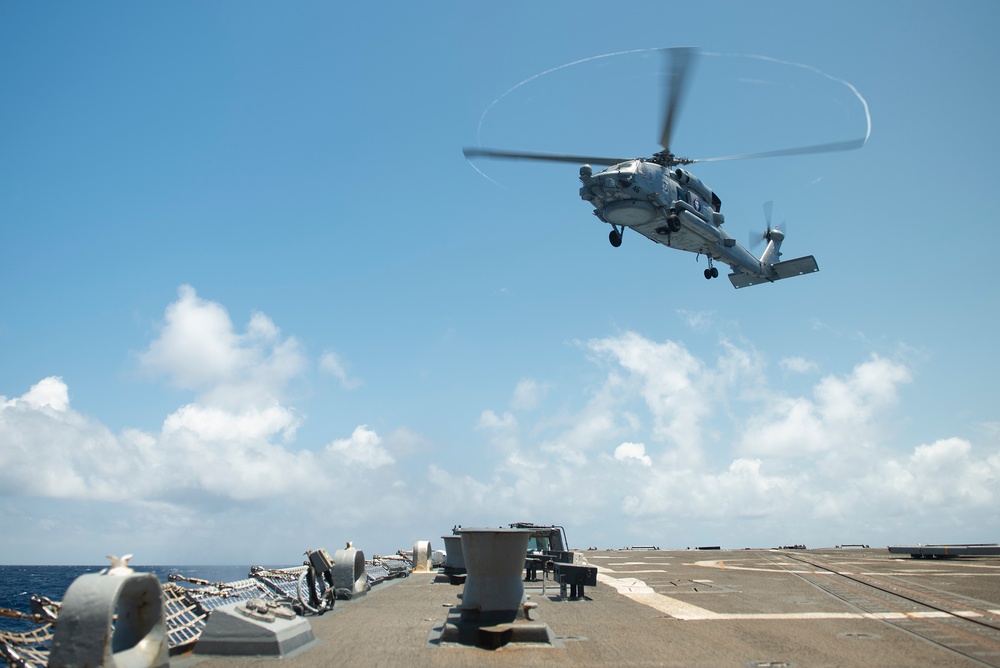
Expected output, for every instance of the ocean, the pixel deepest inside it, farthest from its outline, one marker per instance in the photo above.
(18, 583)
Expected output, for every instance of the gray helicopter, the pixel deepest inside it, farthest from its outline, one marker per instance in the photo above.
(667, 204)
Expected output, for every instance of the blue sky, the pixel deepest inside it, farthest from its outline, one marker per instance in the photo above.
(256, 301)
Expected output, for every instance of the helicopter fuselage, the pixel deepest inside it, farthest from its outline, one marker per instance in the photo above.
(672, 207)
(669, 207)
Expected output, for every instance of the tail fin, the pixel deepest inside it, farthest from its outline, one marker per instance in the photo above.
(771, 269)
(771, 254)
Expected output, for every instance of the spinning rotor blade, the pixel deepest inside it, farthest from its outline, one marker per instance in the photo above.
(679, 61)
(757, 238)
(547, 157)
(802, 150)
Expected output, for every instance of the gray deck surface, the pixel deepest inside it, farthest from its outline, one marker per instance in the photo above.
(695, 608)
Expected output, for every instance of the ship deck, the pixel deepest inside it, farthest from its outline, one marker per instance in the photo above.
(830, 607)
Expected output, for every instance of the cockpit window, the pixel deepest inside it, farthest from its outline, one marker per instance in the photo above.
(626, 173)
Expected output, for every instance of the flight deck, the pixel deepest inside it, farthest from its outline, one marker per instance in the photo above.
(826, 607)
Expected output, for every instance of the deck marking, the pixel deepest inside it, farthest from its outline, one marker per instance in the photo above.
(649, 570)
(711, 563)
(633, 563)
(640, 592)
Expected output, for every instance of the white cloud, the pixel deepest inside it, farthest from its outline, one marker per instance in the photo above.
(666, 446)
(844, 413)
(363, 448)
(490, 420)
(942, 474)
(527, 394)
(331, 363)
(208, 423)
(700, 321)
(51, 392)
(798, 365)
(198, 349)
(634, 451)
(197, 345)
(671, 383)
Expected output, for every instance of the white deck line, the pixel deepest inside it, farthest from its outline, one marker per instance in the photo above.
(640, 592)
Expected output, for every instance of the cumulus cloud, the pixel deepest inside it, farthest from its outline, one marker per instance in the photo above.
(813, 464)
(49, 392)
(844, 412)
(198, 349)
(947, 473)
(234, 441)
(648, 451)
(633, 451)
(363, 448)
(669, 381)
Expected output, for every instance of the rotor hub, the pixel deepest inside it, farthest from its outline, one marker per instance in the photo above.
(668, 159)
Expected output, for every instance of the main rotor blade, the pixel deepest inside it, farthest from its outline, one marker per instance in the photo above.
(547, 157)
(848, 145)
(679, 62)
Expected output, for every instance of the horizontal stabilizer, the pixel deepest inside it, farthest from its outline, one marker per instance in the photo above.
(746, 280)
(797, 267)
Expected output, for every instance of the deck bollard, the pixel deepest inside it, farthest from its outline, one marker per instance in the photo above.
(454, 558)
(494, 559)
(422, 556)
(110, 620)
(349, 576)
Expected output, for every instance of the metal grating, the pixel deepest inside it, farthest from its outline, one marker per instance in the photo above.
(185, 618)
(282, 582)
(29, 649)
(210, 598)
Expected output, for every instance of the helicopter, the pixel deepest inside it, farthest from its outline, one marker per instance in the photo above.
(669, 205)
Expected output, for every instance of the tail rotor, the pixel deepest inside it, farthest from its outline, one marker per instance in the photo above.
(776, 233)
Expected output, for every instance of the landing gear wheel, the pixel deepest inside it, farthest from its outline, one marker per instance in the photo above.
(674, 223)
(615, 237)
(708, 273)
(715, 272)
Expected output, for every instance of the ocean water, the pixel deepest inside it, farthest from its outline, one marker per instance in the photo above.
(18, 583)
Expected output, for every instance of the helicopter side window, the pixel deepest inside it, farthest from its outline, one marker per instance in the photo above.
(626, 174)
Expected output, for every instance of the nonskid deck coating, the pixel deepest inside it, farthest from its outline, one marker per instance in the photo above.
(674, 608)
